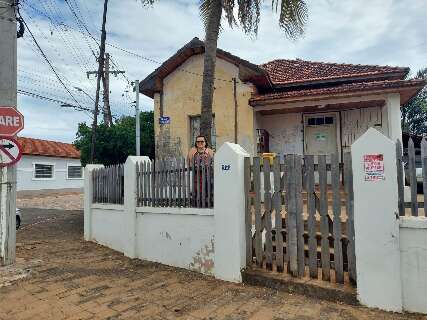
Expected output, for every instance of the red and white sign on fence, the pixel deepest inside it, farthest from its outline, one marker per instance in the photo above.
(373, 165)
(11, 121)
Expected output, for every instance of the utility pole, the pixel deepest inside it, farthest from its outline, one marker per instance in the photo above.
(8, 92)
(106, 82)
(98, 80)
(105, 75)
(137, 125)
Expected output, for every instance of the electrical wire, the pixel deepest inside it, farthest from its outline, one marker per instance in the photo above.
(47, 61)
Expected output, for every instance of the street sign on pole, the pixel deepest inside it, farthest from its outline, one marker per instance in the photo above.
(10, 151)
(11, 121)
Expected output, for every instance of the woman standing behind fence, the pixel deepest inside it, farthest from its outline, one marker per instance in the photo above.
(199, 157)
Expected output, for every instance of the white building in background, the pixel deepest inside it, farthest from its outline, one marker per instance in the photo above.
(49, 166)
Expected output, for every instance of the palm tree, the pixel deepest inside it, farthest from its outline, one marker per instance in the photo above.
(292, 19)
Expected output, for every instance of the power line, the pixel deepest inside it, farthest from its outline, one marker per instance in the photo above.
(64, 104)
(47, 60)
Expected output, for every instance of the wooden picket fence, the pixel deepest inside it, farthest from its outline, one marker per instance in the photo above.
(175, 182)
(108, 184)
(407, 167)
(302, 226)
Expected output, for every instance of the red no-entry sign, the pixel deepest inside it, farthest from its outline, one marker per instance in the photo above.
(11, 121)
(10, 151)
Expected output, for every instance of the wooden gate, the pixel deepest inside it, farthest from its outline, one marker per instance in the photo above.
(300, 216)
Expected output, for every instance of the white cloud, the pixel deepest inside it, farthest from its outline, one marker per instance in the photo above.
(367, 32)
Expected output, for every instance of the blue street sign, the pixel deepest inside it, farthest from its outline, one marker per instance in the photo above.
(164, 120)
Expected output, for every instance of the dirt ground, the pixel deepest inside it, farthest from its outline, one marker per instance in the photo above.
(74, 279)
(67, 201)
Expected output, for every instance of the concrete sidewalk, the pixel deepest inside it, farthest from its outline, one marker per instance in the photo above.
(73, 279)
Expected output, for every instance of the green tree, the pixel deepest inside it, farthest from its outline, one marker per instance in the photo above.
(292, 19)
(414, 112)
(114, 144)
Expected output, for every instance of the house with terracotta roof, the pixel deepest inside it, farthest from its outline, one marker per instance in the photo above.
(48, 166)
(281, 106)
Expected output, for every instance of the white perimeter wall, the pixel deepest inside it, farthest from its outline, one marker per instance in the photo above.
(109, 226)
(179, 237)
(413, 263)
(25, 174)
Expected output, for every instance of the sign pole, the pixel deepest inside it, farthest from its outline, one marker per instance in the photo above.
(137, 129)
(8, 87)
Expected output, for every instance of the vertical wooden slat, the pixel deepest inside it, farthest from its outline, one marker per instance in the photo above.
(94, 186)
(209, 182)
(138, 183)
(148, 183)
(299, 216)
(336, 205)
(257, 207)
(277, 205)
(412, 177)
(157, 183)
(198, 187)
(424, 164)
(324, 226)
(188, 180)
(194, 183)
(170, 173)
(153, 183)
(311, 222)
(267, 215)
(144, 182)
(348, 185)
(203, 183)
(400, 184)
(291, 222)
(285, 188)
(179, 181)
(248, 214)
(184, 182)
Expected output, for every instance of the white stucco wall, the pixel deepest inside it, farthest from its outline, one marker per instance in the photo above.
(179, 237)
(108, 226)
(413, 262)
(26, 180)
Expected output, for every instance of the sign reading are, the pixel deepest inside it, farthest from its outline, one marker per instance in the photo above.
(11, 121)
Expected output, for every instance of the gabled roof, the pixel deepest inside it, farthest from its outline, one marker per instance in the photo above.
(38, 147)
(284, 79)
(247, 70)
(284, 73)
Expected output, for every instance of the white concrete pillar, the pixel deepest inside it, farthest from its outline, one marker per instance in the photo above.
(394, 116)
(130, 203)
(87, 199)
(376, 223)
(229, 206)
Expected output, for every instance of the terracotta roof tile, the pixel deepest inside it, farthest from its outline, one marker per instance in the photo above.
(284, 71)
(38, 147)
(343, 88)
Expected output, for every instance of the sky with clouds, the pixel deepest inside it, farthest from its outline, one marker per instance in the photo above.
(384, 32)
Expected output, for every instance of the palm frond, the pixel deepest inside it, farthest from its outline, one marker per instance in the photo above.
(293, 16)
(204, 11)
(249, 15)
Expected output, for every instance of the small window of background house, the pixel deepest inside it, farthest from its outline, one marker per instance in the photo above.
(43, 171)
(195, 130)
(74, 172)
